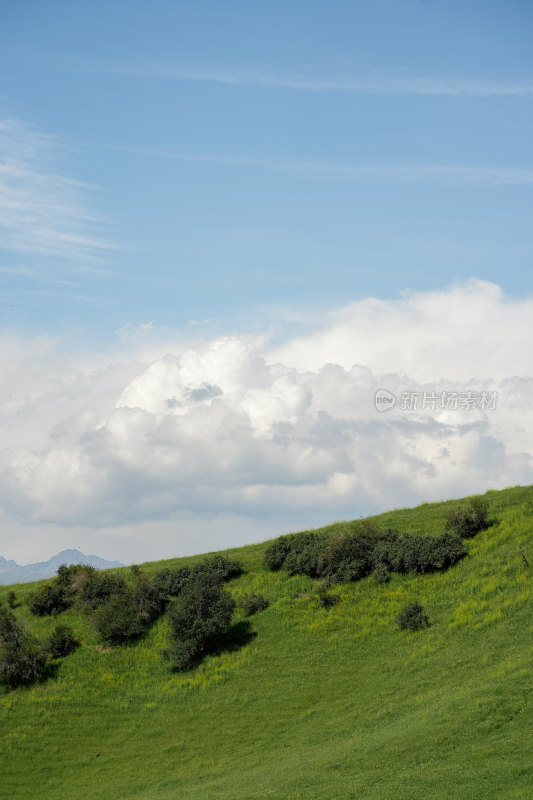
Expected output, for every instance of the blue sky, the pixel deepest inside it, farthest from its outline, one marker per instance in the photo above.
(176, 174)
(244, 156)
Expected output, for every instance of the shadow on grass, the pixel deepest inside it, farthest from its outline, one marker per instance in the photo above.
(53, 665)
(236, 637)
(49, 672)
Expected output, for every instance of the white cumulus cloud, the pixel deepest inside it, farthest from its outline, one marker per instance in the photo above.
(234, 429)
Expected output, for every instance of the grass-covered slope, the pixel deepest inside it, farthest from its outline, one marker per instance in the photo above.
(309, 702)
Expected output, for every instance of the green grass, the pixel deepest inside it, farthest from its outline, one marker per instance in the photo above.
(313, 703)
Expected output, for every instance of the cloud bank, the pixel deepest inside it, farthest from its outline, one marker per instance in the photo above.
(233, 428)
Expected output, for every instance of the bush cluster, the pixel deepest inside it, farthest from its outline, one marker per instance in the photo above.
(129, 611)
(123, 611)
(298, 553)
(419, 554)
(351, 555)
(221, 567)
(170, 581)
(58, 595)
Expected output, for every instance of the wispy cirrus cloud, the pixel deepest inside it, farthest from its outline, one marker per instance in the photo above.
(42, 211)
(354, 173)
(314, 79)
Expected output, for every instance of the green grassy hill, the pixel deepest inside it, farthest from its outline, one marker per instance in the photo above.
(309, 702)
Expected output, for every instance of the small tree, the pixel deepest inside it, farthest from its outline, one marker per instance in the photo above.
(198, 617)
(22, 656)
(11, 599)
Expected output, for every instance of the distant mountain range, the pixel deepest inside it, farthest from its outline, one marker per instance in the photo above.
(11, 572)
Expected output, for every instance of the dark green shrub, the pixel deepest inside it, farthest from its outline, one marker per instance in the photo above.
(298, 553)
(150, 602)
(412, 618)
(96, 588)
(383, 552)
(400, 553)
(381, 573)
(198, 617)
(118, 620)
(227, 568)
(419, 554)
(129, 611)
(223, 568)
(253, 603)
(276, 553)
(49, 599)
(66, 576)
(304, 558)
(11, 599)
(355, 553)
(78, 580)
(446, 550)
(470, 520)
(22, 656)
(169, 581)
(73, 578)
(62, 641)
(347, 556)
